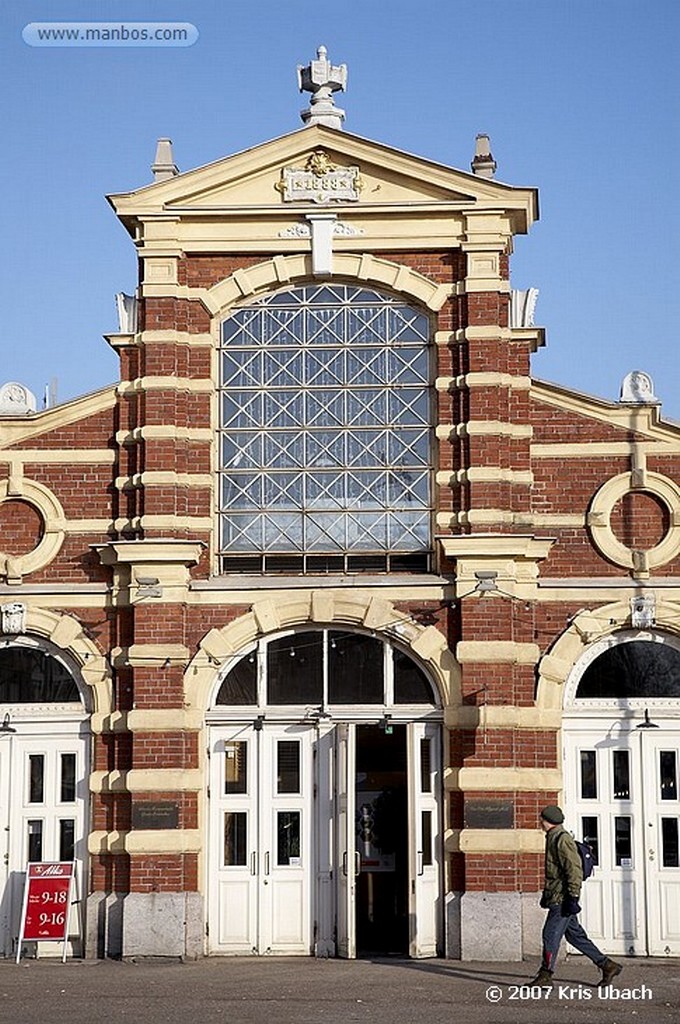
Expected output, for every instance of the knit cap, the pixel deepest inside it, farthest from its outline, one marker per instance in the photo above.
(552, 814)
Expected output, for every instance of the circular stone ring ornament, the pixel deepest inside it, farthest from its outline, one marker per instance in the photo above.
(54, 522)
(604, 539)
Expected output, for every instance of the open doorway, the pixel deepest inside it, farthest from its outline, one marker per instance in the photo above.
(382, 926)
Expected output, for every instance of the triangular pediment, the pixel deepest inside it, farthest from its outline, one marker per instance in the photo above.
(388, 177)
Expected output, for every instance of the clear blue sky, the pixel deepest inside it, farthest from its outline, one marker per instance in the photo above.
(581, 99)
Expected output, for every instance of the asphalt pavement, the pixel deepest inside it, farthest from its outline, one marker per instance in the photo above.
(304, 990)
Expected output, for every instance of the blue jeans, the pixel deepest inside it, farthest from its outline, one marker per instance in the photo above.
(556, 928)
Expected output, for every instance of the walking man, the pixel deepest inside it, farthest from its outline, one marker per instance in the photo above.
(561, 892)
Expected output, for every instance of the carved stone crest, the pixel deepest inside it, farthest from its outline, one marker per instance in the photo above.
(320, 181)
(13, 618)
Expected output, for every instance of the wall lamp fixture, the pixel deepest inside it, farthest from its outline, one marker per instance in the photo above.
(6, 727)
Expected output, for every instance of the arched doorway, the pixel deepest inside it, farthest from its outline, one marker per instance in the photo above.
(325, 803)
(622, 788)
(43, 774)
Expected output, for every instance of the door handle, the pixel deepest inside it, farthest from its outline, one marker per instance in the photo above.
(253, 863)
(421, 863)
(344, 863)
(357, 863)
(266, 863)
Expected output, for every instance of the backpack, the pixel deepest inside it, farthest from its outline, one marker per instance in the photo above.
(587, 860)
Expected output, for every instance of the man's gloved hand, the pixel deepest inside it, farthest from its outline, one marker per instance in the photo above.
(545, 902)
(570, 906)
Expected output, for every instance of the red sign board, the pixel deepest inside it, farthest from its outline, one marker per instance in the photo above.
(47, 902)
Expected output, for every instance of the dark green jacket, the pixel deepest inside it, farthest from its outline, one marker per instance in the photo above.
(563, 870)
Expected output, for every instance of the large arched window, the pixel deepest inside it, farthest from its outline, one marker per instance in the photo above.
(325, 434)
(325, 668)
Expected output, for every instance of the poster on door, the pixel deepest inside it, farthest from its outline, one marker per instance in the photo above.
(47, 903)
(375, 824)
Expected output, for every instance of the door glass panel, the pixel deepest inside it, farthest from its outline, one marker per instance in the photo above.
(68, 780)
(426, 826)
(288, 838)
(669, 842)
(622, 841)
(240, 685)
(288, 766)
(425, 765)
(36, 778)
(669, 775)
(35, 840)
(66, 838)
(236, 767)
(355, 669)
(588, 775)
(295, 669)
(621, 768)
(235, 833)
(590, 832)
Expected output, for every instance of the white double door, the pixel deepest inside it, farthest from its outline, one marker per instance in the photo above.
(623, 796)
(42, 814)
(286, 849)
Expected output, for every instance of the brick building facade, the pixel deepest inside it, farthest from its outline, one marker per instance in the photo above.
(306, 618)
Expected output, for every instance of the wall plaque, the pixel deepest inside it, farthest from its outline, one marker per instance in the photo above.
(489, 814)
(319, 181)
(155, 814)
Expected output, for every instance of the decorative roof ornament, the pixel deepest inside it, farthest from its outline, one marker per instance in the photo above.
(164, 165)
(16, 400)
(322, 79)
(637, 388)
(483, 163)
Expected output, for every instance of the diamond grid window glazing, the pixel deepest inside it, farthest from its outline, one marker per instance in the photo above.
(325, 443)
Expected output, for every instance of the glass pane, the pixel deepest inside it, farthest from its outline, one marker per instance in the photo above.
(295, 669)
(588, 775)
(240, 685)
(426, 826)
(36, 778)
(66, 839)
(236, 767)
(621, 769)
(623, 847)
(411, 685)
(669, 842)
(288, 766)
(35, 840)
(68, 778)
(288, 838)
(638, 668)
(669, 774)
(355, 669)
(425, 765)
(235, 838)
(33, 677)
(590, 832)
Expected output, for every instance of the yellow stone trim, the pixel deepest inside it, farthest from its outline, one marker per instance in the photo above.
(148, 780)
(485, 474)
(164, 720)
(146, 841)
(41, 498)
(598, 449)
(522, 780)
(157, 478)
(283, 611)
(164, 433)
(635, 418)
(585, 628)
(150, 655)
(139, 384)
(483, 380)
(497, 840)
(475, 517)
(15, 430)
(509, 652)
(479, 428)
(502, 716)
(56, 456)
(487, 332)
(599, 521)
(174, 338)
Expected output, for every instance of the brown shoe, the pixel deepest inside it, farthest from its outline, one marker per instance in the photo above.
(609, 969)
(543, 978)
